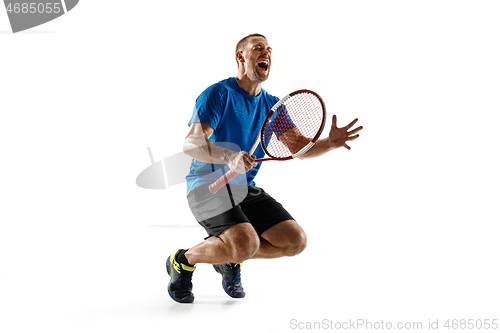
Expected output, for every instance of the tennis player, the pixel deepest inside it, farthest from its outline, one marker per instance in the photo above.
(242, 221)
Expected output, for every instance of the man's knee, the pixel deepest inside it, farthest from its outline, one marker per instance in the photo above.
(244, 251)
(243, 242)
(297, 244)
(288, 236)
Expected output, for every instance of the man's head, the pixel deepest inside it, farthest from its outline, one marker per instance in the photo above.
(253, 55)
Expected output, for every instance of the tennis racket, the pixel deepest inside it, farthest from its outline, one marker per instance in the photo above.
(290, 129)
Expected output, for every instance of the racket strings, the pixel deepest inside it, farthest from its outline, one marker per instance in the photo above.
(293, 125)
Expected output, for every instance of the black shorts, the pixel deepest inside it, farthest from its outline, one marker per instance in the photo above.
(234, 204)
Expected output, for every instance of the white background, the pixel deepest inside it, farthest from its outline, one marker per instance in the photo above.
(404, 227)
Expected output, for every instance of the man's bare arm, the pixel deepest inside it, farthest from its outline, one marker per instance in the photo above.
(198, 146)
(337, 138)
(294, 140)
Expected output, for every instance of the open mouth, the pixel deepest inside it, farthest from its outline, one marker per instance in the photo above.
(264, 65)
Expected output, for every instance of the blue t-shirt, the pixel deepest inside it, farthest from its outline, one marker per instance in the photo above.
(236, 118)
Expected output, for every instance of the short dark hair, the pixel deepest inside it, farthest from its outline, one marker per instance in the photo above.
(242, 43)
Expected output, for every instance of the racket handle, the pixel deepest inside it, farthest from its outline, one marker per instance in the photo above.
(223, 180)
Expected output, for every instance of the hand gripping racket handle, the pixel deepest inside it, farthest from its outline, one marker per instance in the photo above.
(226, 178)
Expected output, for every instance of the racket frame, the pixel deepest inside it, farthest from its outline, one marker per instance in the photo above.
(228, 176)
(269, 115)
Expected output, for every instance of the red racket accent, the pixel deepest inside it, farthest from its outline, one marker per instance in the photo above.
(290, 129)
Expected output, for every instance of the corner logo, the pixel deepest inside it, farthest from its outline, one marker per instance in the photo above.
(26, 14)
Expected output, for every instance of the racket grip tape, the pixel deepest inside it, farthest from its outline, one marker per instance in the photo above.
(223, 180)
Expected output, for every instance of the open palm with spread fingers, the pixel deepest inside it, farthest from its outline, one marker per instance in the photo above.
(338, 137)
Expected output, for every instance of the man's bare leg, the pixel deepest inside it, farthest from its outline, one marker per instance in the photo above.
(236, 244)
(283, 239)
(240, 242)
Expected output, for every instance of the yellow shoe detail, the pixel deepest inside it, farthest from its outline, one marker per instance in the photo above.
(177, 266)
(188, 268)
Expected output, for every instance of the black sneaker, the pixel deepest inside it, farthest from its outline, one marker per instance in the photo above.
(180, 286)
(231, 279)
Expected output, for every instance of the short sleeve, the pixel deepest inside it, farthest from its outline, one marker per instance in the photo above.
(209, 106)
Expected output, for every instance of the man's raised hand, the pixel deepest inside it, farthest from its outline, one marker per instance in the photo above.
(338, 137)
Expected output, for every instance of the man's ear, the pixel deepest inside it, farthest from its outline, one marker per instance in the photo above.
(239, 57)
